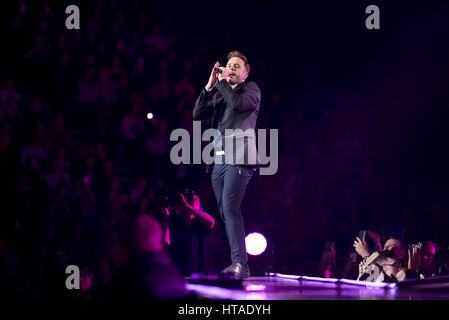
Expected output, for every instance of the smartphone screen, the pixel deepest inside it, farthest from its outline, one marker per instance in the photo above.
(362, 234)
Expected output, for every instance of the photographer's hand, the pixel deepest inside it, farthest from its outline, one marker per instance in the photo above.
(185, 203)
(414, 259)
(206, 219)
(361, 248)
(186, 206)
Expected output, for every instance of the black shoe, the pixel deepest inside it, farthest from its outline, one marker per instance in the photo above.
(240, 270)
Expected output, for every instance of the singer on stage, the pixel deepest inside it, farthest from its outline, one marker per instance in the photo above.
(233, 104)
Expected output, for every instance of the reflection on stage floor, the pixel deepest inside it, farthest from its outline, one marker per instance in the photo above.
(291, 287)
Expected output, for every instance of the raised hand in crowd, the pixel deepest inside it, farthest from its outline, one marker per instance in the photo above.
(414, 258)
(361, 247)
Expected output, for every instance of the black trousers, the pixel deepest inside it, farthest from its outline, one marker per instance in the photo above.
(229, 183)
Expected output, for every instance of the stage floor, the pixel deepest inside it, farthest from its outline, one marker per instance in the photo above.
(290, 287)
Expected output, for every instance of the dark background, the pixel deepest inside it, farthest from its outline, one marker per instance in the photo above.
(362, 115)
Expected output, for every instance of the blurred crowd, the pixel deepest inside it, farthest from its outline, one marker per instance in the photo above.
(85, 120)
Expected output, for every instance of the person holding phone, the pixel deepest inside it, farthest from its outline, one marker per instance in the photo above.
(391, 244)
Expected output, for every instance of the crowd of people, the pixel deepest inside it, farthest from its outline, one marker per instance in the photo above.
(391, 262)
(85, 120)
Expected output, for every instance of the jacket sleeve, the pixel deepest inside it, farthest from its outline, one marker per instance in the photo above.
(245, 100)
(203, 106)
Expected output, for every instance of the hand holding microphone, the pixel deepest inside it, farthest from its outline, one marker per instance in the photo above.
(213, 78)
(222, 74)
(217, 74)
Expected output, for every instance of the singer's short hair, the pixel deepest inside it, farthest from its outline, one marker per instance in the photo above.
(236, 53)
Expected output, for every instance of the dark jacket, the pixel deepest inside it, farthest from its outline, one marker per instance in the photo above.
(148, 276)
(236, 108)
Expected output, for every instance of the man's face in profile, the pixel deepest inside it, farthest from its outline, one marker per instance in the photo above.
(238, 72)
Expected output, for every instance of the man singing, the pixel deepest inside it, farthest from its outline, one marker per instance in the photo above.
(233, 104)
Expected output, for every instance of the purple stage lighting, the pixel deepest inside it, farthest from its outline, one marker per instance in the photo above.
(255, 243)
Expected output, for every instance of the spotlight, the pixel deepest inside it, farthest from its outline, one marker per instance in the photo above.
(261, 256)
(150, 115)
(255, 243)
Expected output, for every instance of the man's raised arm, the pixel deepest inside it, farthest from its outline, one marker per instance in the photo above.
(203, 105)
